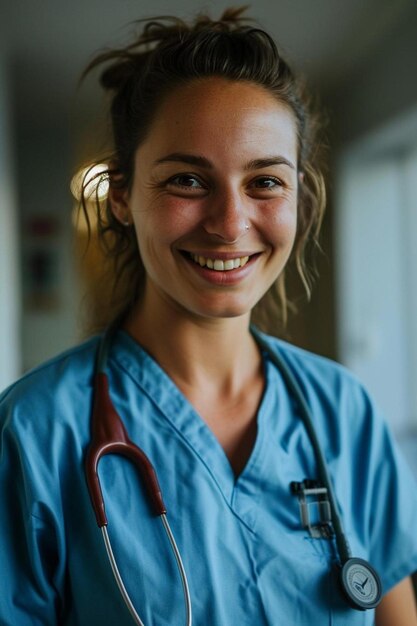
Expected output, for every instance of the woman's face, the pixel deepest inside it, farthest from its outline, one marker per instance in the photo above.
(214, 197)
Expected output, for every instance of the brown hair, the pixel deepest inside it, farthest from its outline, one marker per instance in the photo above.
(169, 52)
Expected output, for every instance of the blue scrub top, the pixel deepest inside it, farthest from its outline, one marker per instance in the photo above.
(247, 557)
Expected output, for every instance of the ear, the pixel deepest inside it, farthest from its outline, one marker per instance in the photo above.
(300, 177)
(119, 203)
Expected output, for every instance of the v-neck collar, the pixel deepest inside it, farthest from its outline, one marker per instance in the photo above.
(189, 425)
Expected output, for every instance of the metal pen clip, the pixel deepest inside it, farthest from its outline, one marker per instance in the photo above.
(315, 509)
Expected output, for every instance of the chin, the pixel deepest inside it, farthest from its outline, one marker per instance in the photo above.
(220, 311)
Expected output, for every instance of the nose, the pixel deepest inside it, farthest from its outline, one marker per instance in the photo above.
(228, 216)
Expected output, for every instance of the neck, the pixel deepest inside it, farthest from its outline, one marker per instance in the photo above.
(217, 355)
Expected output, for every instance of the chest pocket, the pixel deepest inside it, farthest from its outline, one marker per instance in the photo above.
(299, 586)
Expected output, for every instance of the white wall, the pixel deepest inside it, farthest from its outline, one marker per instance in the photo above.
(372, 289)
(9, 258)
(376, 232)
(410, 237)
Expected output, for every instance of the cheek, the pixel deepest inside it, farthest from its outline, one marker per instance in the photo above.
(177, 216)
(280, 222)
(165, 221)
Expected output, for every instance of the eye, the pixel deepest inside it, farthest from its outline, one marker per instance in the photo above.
(266, 182)
(186, 181)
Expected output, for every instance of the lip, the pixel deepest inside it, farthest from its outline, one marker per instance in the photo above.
(226, 278)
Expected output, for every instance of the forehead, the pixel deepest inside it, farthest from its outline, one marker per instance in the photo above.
(215, 113)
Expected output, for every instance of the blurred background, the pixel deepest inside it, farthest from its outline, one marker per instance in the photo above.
(360, 59)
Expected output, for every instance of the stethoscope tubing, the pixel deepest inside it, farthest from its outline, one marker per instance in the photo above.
(342, 543)
(347, 564)
(119, 579)
(343, 547)
(109, 436)
(181, 569)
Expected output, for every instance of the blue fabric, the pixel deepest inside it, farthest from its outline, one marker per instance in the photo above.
(248, 559)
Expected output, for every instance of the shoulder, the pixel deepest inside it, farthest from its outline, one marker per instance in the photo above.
(44, 428)
(345, 415)
(52, 387)
(313, 371)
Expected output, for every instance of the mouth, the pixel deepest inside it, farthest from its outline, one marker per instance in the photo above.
(219, 265)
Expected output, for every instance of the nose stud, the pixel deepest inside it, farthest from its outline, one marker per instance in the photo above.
(247, 227)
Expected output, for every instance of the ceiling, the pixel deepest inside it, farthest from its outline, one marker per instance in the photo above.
(49, 42)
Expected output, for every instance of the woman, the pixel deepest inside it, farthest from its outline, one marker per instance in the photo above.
(213, 188)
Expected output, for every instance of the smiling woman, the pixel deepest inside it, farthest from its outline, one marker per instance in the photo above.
(240, 57)
(215, 200)
(277, 466)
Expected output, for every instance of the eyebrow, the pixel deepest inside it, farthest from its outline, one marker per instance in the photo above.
(200, 161)
(258, 164)
(191, 159)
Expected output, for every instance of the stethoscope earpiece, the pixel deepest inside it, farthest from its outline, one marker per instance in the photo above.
(361, 584)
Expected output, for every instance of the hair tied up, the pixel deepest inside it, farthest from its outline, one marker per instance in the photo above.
(231, 18)
(131, 60)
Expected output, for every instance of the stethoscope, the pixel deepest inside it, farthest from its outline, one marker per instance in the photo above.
(359, 581)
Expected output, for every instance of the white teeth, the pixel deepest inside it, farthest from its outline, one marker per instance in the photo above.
(218, 264)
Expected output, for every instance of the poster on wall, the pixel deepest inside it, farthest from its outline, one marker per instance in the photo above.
(41, 262)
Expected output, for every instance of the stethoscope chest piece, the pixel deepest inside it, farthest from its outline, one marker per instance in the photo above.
(360, 584)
